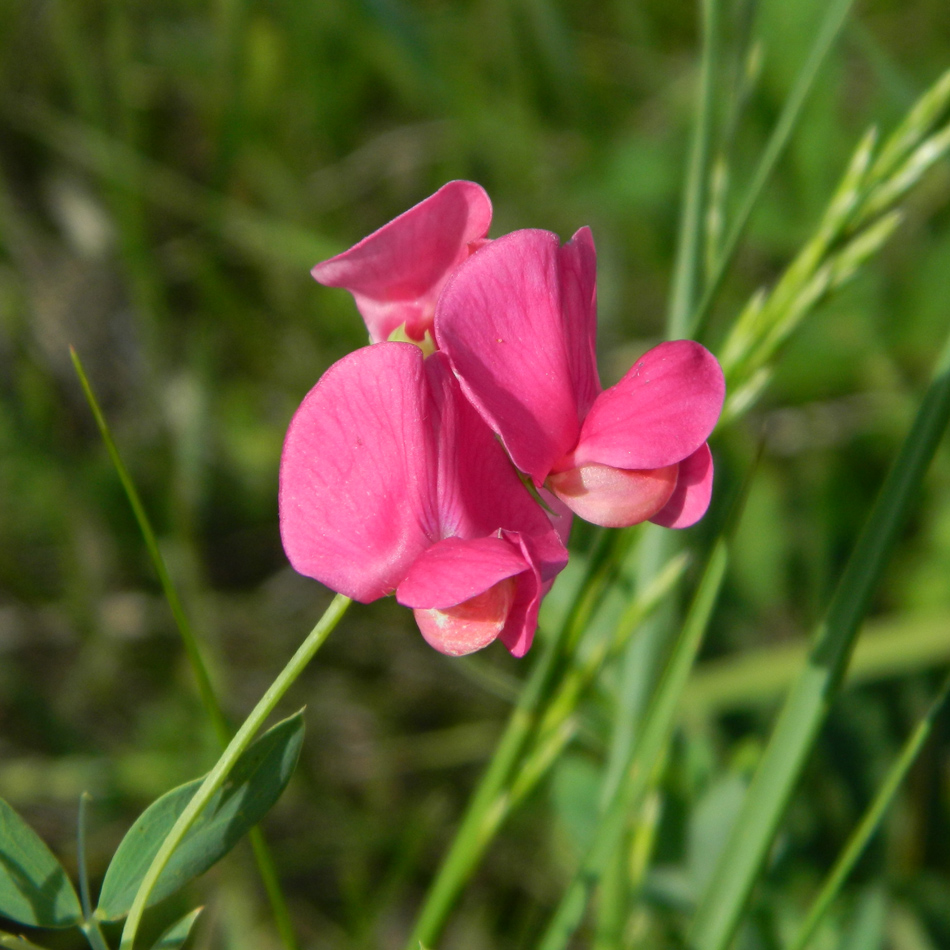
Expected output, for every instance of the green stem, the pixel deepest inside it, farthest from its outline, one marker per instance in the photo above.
(93, 934)
(89, 926)
(217, 776)
(870, 821)
(81, 856)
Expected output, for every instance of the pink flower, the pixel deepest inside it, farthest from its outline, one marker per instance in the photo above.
(396, 274)
(518, 322)
(390, 481)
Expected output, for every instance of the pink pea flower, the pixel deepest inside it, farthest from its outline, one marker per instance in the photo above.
(391, 481)
(396, 274)
(518, 322)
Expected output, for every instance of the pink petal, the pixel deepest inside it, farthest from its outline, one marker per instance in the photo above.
(662, 410)
(396, 274)
(560, 516)
(518, 633)
(479, 490)
(517, 320)
(690, 498)
(615, 497)
(454, 570)
(358, 473)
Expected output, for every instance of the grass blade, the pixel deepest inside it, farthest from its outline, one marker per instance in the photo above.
(724, 900)
(870, 821)
(262, 855)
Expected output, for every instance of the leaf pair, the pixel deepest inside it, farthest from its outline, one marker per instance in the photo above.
(36, 891)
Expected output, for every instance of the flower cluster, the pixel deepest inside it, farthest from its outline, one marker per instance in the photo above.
(400, 470)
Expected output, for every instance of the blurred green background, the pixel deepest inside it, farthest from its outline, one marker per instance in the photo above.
(168, 174)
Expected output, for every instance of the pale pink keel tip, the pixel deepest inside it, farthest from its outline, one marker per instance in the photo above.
(396, 273)
(391, 482)
(518, 322)
(470, 625)
(614, 497)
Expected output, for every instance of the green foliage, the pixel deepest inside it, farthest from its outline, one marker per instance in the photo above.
(254, 785)
(34, 888)
(168, 174)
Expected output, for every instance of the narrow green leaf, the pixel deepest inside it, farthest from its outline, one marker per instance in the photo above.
(13, 942)
(177, 934)
(722, 903)
(256, 782)
(34, 888)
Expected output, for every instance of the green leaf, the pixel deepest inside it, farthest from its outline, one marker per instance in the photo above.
(12, 942)
(254, 785)
(34, 888)
(177, 934)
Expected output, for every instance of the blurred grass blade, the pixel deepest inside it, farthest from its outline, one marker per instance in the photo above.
(688, 268)
(870, 821)
(262, 237)
(917, 124)
(209, 700)
(834, 19)
(647, 752)
(888, 647)
(724, 900)
(609, 629)
(867, 930)
(190, 641)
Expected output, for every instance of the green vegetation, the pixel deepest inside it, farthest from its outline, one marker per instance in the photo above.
(168, 174)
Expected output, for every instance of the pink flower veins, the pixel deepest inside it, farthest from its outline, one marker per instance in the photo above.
(390, 481)
(518, 322)
(396, 274)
